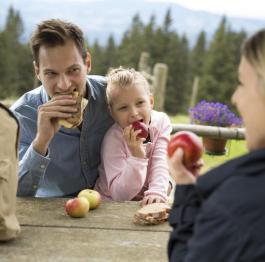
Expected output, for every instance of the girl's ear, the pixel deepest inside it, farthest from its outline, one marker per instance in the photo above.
(152, 101)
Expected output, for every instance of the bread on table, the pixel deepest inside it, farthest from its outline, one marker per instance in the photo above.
(152, 214)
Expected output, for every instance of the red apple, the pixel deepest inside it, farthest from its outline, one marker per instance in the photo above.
(137, 125)
(92, 196)
(191, 145)
(77, 207)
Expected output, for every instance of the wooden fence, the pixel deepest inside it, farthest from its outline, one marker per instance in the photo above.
(211, 131)
(157, 79)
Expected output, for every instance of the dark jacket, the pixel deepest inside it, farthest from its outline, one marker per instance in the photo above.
(222, 218)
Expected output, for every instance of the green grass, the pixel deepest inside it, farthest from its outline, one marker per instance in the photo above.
(234, 148)
(179, 119)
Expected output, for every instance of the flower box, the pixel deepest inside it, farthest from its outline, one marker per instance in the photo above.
(213, 114)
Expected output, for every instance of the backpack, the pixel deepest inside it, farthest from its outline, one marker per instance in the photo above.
(9, 129)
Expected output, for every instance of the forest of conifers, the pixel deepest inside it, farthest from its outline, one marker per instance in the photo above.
(214, 61)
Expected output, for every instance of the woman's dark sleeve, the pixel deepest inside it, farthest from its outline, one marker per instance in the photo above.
(182, 216)
(203, 233)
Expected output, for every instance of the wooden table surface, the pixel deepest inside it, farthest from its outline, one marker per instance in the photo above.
(105, 234)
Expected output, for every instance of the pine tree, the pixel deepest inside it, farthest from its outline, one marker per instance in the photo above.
(220, 70)
(178, 87)
(110, 54)
(198, 55)
(26, 73)
(97, 52)
(166, 27)
(149, 41)
(10, 46)
(132, 44)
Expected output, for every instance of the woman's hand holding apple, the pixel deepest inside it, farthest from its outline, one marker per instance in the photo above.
(185, 151)
(178, 171)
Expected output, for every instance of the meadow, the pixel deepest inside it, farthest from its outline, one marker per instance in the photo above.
(234, 148)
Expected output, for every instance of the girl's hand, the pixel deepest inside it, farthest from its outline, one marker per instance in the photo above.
(151, 199)
(134, 143)
(179, 172)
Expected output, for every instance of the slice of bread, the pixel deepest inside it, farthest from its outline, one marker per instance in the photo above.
(77, 117)
(152, 214)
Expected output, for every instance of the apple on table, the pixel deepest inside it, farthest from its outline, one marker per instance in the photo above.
(92, 196)
(77, 207)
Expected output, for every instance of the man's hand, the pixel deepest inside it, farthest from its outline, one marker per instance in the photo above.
(62, 106)
(134, 143)
(179, 172)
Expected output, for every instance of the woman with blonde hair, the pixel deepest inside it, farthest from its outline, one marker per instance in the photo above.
(220, 216)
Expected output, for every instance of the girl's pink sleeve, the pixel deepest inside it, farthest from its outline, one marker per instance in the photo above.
(125, 174)
(158, 179)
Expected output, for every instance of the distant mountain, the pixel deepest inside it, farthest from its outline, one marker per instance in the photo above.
(100, 18)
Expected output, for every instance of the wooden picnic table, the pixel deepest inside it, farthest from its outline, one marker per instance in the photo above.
(105, 234)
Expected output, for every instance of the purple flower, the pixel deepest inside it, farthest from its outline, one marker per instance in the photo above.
(213, 114)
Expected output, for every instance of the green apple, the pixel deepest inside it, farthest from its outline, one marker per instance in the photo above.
(92, 196)
(77, 207)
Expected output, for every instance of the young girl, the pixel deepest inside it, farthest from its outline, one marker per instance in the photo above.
(133, 168)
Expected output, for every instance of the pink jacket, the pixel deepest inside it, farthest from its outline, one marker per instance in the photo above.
(124, 177)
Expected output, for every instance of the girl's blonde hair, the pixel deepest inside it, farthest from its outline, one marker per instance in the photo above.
(123, 78)
(254, 51)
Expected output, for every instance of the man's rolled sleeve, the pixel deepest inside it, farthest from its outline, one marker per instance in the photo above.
(31, 169)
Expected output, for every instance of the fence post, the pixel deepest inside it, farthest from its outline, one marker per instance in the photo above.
(194, 93)
(157, 80)
(143, 63)
(159, 85)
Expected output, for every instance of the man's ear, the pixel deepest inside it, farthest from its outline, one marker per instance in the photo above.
(88, 62)
(152, 101)
(36, 70)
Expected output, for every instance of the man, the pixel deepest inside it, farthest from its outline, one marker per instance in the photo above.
(9, 227)
(57, 161)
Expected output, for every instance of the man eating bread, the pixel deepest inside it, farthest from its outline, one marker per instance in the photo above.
(76, 119)
(64, 120)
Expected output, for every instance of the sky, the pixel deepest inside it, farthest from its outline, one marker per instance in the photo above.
(239, 8)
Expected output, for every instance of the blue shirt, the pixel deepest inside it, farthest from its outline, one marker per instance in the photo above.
(73, 155)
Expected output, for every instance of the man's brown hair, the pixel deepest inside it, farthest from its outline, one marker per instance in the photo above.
(55, 32)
